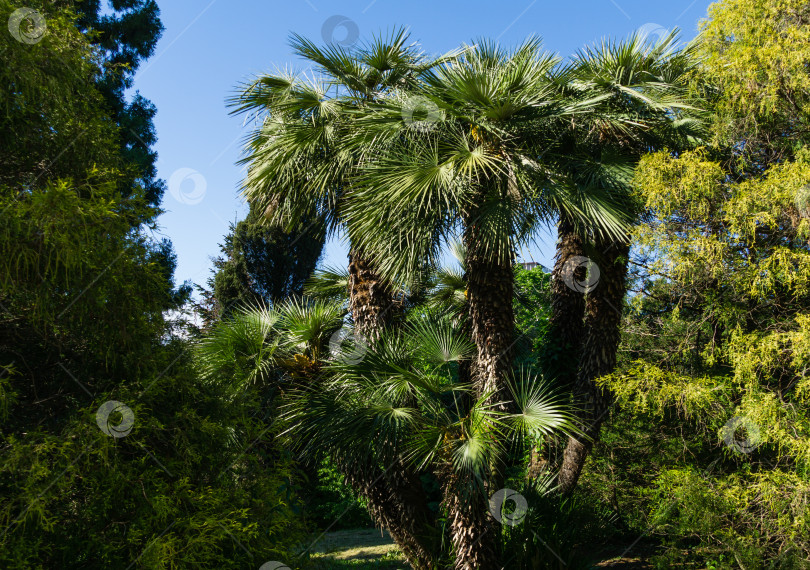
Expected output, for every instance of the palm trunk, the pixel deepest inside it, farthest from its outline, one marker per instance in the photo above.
(560, 358)
(472, 529)
(602, 335)
(490, 293)
(396, 502)
(395, 497)
(566, 324)
(490, 290)
(370, 299)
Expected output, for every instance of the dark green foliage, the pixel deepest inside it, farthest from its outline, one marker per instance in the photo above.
(126, 32)
(178, 489)
(558, 532)
(53, 122)
(261, 264)
(333, 505)
(64, 101)
(85, 299)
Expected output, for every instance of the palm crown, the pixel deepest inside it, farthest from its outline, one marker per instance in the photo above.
(476, 159)
(297, 163)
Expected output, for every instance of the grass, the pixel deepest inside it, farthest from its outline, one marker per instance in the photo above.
(359, 549)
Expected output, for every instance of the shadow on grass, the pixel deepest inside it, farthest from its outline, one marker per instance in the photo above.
(358, 549)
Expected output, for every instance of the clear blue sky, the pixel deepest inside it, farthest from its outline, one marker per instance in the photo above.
(209, 46)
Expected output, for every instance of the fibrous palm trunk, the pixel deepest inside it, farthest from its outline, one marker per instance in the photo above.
(567, 321)
(490, 290)
(395, 497)
(371, 301)
(471, 527)
(602, 335)
(397, 503)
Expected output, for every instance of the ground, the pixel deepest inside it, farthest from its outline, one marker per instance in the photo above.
(361, 549)
(370, 549)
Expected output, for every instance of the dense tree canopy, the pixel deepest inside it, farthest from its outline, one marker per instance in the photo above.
(261, 265)
(713, 366)
(87, 345)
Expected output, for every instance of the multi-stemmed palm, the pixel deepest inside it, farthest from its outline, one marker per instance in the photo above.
(299, 170)
(471, 164)
(487, 145)
(642, 103)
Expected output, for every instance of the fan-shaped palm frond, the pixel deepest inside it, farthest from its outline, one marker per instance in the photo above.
(494, 114)
(297, 163)
(328, 283)
(449, 292)
(541, 412)
(241, 350)
(309, 324)
(403, 394)
(258, 345)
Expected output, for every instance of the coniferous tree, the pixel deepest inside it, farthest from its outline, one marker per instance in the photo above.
(260, 264)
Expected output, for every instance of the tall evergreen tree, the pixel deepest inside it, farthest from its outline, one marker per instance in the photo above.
(260, 264)
(126, 32)
(84, 294)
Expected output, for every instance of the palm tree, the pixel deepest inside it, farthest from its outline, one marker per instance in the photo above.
(298, 167)
(406, 394)
(473, 166)
(643, 105)
(270, 347)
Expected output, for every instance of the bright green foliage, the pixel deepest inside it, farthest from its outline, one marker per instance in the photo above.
(720, 320)
(720, 329)
(532, 307)
(755, 53)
